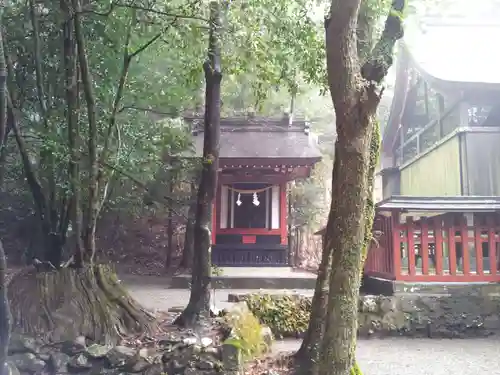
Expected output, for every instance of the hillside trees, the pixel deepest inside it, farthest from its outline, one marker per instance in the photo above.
(72, 121)
(85, 122)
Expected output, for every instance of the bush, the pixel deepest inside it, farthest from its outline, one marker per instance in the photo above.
(246, 332)
(287, 316)
(355, 370)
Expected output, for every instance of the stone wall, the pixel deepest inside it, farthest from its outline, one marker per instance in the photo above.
(172, 354)
(452, 315)
(186, 356)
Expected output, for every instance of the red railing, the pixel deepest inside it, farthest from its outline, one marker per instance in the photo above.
(439, 249)
(379, 260)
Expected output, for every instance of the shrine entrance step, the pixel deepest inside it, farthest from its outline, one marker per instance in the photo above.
(254, 278)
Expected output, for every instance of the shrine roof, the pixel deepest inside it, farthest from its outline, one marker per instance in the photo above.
(251, 137)
(455, 50)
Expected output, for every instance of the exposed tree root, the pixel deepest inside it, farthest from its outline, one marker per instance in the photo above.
(66, 303)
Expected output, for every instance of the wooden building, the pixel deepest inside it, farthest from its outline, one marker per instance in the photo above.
(258, 157)
(439, 216)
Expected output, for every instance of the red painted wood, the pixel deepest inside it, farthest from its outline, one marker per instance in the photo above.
(438, 238)
(492, 244)
(452, 251)
(424, 245)
(256, 231)
(272, 180)
(218, 199)
(464, 238)
(450, 278)
(396, 244)
(214, 225)
(410, 240)
(479, 249)
(249, 239)
(283, 214)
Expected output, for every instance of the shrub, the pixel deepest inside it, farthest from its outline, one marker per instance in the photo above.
(355, 370)
(286, 315)
(246, 333)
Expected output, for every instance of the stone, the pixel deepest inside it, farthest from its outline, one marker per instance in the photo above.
(120, 356)
(11, 369)
(148, 354)
(22, 344)
(267, 337)
(97, 351)
(368, 304)
(79, 362)
(388, 304)
(206, 365)
(231, 359)
(73, 347)
(59, 361)
(190, 340)
(27, 362)
(138, 366)
(206, 341)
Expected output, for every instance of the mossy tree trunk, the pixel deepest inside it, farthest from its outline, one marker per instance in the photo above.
(308, 355)
(188, 250)
(355, 93)
(5, 317)
(199, 301)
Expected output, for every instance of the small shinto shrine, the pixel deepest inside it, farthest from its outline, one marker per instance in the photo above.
(258, 157)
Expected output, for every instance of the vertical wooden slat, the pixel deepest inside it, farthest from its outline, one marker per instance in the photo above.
(452, 250)
(424, 244)
(478, 245)
(464, 235)
(396, 244)
(492, 245)
(438, 237)
(410, 240)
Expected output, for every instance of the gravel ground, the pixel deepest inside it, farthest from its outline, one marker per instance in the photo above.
(394, 356)
(403, 356)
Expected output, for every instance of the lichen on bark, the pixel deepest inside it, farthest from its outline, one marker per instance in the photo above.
(356, 94)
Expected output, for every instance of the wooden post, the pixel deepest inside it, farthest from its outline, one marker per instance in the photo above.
(452, 253)
(492, 245)
(464, 235)
(396, 243)
(478, 244)
(410, 240)
(424, 244)
(283, 212)
(438, 238)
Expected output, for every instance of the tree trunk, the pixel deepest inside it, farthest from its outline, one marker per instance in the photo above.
(70, 302)
(199, 301)
(71, 82)
(93, 200)
(188, 251)
(5, 317)
(355, 95)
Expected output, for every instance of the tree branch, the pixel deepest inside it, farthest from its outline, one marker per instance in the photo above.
(377, 66)
(159, 12)
(341, 50)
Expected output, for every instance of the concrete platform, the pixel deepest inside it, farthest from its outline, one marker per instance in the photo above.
(254, 278)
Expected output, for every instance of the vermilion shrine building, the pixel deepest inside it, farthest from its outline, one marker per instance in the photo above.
(439, 217)
(258, 157)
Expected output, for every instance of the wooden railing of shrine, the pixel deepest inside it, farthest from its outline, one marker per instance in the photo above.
(442, 248)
